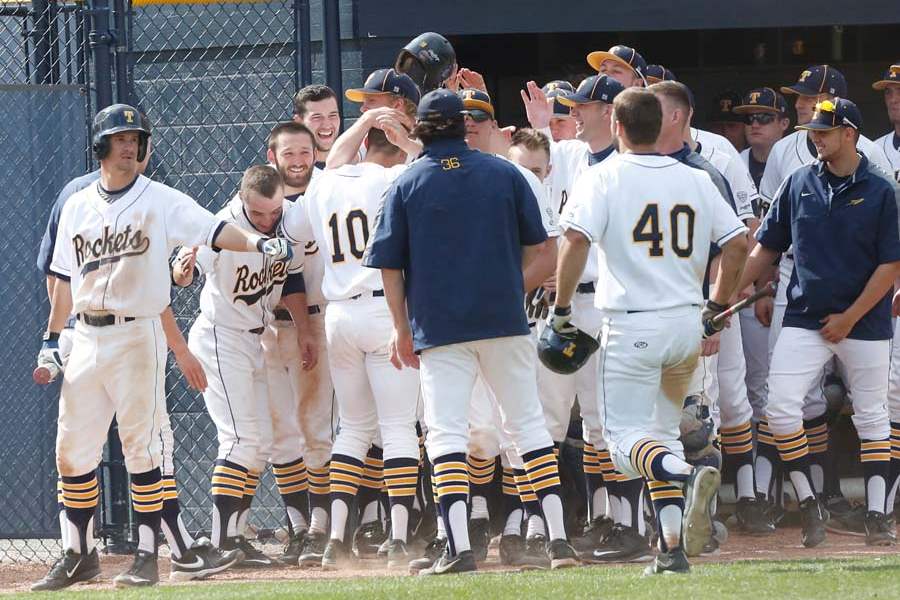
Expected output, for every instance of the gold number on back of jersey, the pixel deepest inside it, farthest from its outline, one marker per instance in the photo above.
(647, 230)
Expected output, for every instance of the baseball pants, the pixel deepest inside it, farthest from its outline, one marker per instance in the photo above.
(755, 339)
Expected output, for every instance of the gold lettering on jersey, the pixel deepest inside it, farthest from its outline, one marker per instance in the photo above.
(110, 247)
(251, 286)
(450, 163)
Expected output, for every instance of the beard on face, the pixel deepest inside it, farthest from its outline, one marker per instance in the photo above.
(295, 180)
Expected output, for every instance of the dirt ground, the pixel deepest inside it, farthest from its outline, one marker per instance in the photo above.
(782, 545)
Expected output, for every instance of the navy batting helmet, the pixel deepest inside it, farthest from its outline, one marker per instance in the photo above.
(565, 353)
(428, 59)
(116, 119)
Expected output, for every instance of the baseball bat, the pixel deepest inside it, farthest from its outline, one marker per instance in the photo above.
(767, 290)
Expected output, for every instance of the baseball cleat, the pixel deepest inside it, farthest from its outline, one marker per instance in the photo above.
(699, 491)
(623, 544)
(337, 555)
(144, 571)
(479, 538)
(313, 549)
(69, 569)
(753, 518)
(514, 553)
(397, 555)
(844, 518)
(202, 560)
(292, 550)
(879, 530)
(433, 551)
(812, 519)
(674, 562)
(367, 539)
(253, 557)
(594, 534)
(464, 562)
(562, 554)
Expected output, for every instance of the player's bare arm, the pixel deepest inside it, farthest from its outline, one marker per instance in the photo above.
(60, 306)
(758, 262)
(401, 341)
(296, 305)
(838, 325)
(234, 238)
(573, 255)
(732, 259)
(541, 265)
(188, 364)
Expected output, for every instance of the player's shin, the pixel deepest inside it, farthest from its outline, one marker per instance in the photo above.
(180, 540)
(737, 446)
(400, 476)
(147, 501)
(345, 473)
(452, 482)
(767, 460)
(513, 509)
(227, 493)
(250, 486)
(481, 475)
(292, 481)
(593, 477)
(80, 497)
(875, 456)
(817, 439)
(319, 498)
(611, 481)
(631, 504)
(668, 504)
(794, 451)
(543, 473)
(370, 486)
(531, 504)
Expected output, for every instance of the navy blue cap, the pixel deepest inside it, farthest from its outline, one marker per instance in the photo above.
(596, 88)
(439, 104)
(818, 79)
(477, 104)
(760, 100)
(627, 56)
(722, 108)
(831, 114)
(557, 88)
(890, 77)
(657, 73)
(557, 85)
(386, 81)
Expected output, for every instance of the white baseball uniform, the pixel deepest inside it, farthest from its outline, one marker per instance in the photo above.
(236, 304)
(654, 259)
(890, 145)
(116, 256)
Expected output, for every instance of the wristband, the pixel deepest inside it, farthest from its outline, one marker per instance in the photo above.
(51, 336)
(260, 242)
(562, 311)
(713, 305)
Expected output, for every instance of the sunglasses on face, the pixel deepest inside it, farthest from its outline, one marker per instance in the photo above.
(761, 118)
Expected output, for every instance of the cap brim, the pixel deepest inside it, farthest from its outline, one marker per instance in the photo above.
(651, 79)
(359, 94)
(746, 109)
(595, 59)
(885, 83)
(799, 90)
(574, 100)
(817, 127)
(564, 115)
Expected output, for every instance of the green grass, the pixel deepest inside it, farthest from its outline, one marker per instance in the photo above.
(757, 580)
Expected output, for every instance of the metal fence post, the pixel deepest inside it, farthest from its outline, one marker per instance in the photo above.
(331, 23)
(124, 91)
(302, 45)
(101, 45)
(41, 53)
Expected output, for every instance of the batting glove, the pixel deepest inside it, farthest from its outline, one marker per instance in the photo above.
(560, 319)
(276, 248)
(710, 310)
(49, 356)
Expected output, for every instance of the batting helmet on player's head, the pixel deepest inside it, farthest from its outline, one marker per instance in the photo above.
(428, 59)
(567, 353)
(116, 119)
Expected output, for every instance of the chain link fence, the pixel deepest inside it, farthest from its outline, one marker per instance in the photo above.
(213, 78)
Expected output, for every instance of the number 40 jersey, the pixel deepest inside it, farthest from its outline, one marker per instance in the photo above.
(653, 219)
(337, 212)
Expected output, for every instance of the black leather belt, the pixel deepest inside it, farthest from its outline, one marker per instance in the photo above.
(375, 294)
(283, 314)
(102, 320)
(586, 288)
(258, 330)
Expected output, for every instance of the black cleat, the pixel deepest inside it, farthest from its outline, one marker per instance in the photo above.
(253, 557)
(536, 549)
(879, 530)
(812, 519)
(313, 549)
(844, 518)
(594, 534)
(753, 518)
(464, 562)
(397, 555)
(433, 551)
(202, 560)
(513, 553)
(562, 554)
(368, 538)
(69, 569)
(479, 538)
(144, 571)
(291, 553)
(337, 555)
(674, 562)
(699, 491)
(623, 544)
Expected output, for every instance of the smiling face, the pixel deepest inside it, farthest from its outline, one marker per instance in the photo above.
(892, 102)
(324, 120)
(590, 118)
(831, 143)
(479, 133)
(294, 156)
(621, 73)
(562, 128)
(536, 161)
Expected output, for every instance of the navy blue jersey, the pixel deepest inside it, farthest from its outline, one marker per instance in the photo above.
(840, 235)
(455, 223)
(48, 242)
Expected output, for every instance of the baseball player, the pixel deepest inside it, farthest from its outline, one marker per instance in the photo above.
(815, 84)
(371, 394)
(236, 303)
(655, 255)
(474, 215)
(190, 559)
(890, 142)
(562, 125)
(624, 64)
(720, 374)
(316, 107)
(838, 211)
(724, 121)
(304, 396)
(112, 272)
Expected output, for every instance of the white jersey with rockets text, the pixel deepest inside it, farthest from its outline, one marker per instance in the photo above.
(727, 161)
(242, 288)
(313, 265)
(890, 145)
(117, 254)
(338, 212)
(654, 219)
